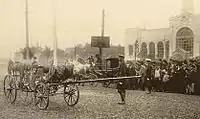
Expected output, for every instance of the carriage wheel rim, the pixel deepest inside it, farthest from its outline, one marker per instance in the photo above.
(69, 97)
(10, 93)
(41, 97)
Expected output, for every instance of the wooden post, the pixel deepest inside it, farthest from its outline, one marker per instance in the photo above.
(102, 36)
(27, 30)
(55, 34)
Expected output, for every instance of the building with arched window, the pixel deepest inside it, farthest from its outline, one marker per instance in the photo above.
(182, 35)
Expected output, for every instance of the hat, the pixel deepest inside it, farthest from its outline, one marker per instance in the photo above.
(148, 60)
(120, 55)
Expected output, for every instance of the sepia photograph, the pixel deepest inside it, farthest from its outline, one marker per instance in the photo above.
(100, 59)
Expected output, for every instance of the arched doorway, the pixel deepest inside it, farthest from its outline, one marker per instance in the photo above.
(160, 47)
(185, 40)
(151, 50)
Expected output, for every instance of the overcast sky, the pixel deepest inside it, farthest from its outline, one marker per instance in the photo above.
(78, 20)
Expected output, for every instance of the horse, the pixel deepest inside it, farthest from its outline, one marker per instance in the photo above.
(15, 67)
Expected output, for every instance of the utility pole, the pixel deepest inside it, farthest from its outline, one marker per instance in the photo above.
(75, 52)
(102, 37)
(137, 44)
(55, 34)
(27, 30)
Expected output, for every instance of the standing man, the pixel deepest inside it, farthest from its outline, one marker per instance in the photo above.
(142, 72)
(34, 61)
(121, 84)
(149, 75)
(98, 61)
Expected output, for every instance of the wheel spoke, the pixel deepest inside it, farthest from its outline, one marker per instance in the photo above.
(45, 101)
(41, 102)
(69, 99)
(66, 95)
(9, 96)
(74, 100)
(38, 101)
(8, 93)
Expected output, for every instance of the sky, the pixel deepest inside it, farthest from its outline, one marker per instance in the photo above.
(78, 20)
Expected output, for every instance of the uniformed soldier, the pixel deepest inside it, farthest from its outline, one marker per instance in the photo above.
(149, 75)
(121, 84)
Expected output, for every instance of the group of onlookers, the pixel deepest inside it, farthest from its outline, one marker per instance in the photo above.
(167, 76)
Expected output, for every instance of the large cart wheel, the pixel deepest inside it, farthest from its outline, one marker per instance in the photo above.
(71, 94)
(93, 76)
(41, 96)
(10, 90)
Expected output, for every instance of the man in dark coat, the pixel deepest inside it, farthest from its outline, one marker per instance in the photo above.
(149, 76)
(121, 84)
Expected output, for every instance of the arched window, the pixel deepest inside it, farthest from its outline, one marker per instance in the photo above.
(160, 47)
(167, 49)
(185, 39)
(143, 50)
(130, 47)
(152, 50)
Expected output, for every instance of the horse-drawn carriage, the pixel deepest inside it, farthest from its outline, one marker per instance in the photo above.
(45, 82)
(41, 81)
(108, 69)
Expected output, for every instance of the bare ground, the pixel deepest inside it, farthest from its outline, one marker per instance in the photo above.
(101, 103)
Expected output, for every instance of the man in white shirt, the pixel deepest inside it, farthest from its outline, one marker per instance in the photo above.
(157, 78)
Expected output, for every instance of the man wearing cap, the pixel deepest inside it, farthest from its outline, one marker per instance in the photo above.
(121, 73)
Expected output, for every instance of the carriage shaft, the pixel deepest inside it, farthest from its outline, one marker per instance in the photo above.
(96, 80)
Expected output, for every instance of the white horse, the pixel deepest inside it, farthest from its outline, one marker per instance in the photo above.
(82, 70)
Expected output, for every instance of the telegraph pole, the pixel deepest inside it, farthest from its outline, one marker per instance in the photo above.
(27, 30)
(102, 36)
(136, 44)
(135, 52)
(75, 52)
(55, 34)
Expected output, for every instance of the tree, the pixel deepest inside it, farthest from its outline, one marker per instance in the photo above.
(24, 53)
(136, 49)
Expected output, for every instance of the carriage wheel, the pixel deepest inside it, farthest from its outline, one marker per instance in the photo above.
(93, 76)
(41, 96)
(71, 95)
(10, 90)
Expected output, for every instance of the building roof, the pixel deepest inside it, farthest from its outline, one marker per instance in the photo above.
(148, 35)
(155, 34)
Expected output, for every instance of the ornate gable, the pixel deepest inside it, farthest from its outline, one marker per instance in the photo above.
(180, 20)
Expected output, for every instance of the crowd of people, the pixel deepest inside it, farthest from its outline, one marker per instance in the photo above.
(166, 76)
(163, 76)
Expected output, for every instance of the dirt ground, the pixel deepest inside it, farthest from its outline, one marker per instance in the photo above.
(101, 103)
